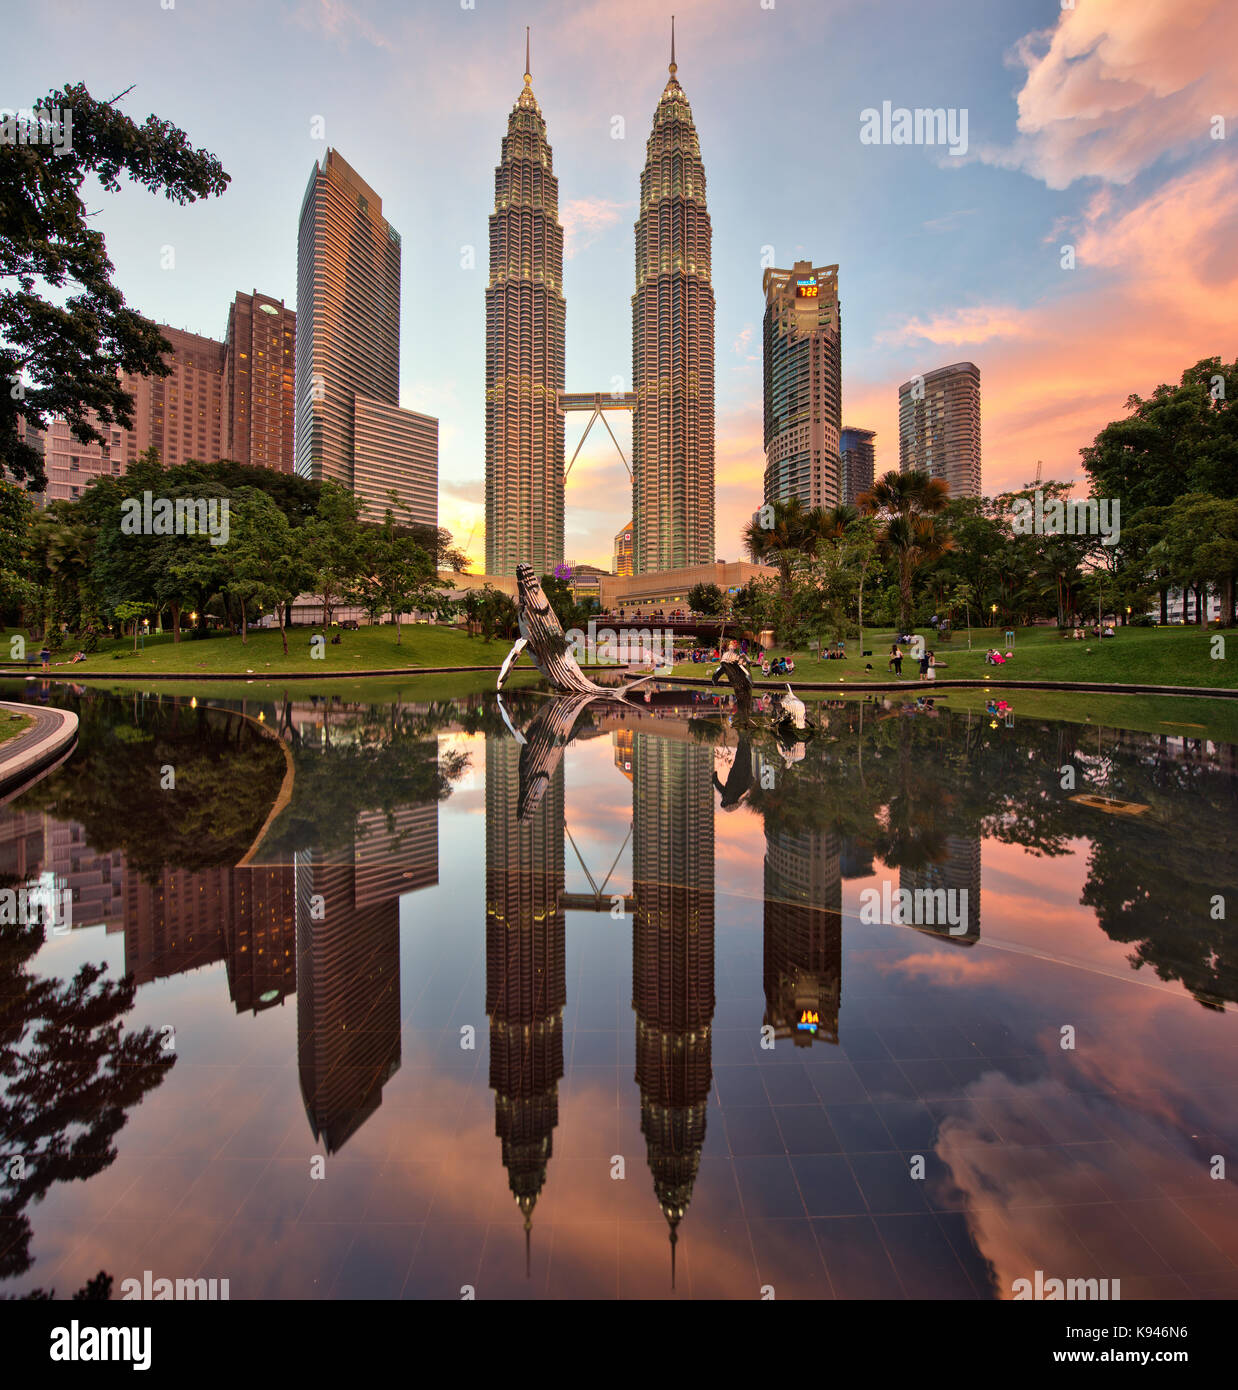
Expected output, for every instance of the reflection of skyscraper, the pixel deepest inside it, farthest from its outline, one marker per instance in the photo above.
(174, 922)
(526, 982)
(958, 872)
(348, 998)
(673, 348)
(803, 934)
(526, 320)
(260, 937)
(673, 959)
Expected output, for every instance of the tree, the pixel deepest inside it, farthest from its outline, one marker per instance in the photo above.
(331, 545)
(64, 357)
(131, 612)
(909, 504)
(16, 523)
(783, 534)
(265, 560)
(397, 575)
(707, 599)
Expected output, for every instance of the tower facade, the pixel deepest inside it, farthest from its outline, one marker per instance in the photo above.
(673, 348)
(526, 317)
(939, 426)
(857, 451)
(349, 428)
(258, 397)
(802, 369)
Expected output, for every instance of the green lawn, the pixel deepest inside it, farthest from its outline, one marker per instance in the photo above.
(1146, 655)
(13, 724)
(368, 649)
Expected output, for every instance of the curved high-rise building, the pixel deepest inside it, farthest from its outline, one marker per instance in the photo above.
(525, 324)
(673, 348)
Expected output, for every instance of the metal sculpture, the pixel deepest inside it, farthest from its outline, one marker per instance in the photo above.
(542, 634)
(734, 669)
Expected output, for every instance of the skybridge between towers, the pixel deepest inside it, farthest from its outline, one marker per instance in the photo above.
(597, 403)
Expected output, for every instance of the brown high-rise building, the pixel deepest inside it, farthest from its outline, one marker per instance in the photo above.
(182, 414)
(258, 399)
(526, 318)
(673, 348)
(802, 359)
(350, 428)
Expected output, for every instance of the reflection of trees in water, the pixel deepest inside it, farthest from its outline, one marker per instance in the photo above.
(227, 774)
(69, 1073)
(363, 759)
(898, 784)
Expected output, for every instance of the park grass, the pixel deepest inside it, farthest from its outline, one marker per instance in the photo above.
(1137, 655)
(13, 724)
(367, 649)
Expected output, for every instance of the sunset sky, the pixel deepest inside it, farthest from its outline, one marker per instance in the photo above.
(1092, 126)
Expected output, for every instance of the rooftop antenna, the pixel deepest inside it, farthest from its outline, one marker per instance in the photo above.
(674, 66)
(528, 67)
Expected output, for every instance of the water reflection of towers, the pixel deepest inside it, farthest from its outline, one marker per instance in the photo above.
(673, 958)
(526, 985)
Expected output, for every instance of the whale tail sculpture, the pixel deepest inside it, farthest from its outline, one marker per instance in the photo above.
(542, 634)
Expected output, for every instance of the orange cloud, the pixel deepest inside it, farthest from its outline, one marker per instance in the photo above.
(1115, 86)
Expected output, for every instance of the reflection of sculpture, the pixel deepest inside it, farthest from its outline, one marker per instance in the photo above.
(543, 745)
(541, 632)
(739, 774)
(734, 668)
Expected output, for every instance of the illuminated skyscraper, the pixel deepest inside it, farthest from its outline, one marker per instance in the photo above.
(802, 364)
(526, 317)
(673, 348)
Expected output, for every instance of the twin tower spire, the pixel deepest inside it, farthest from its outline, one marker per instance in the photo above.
(672, 396)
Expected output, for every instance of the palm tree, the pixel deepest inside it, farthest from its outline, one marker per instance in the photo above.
(782, 542)
(909, 504)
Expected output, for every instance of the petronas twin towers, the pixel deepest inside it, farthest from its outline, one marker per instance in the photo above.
(672, 349)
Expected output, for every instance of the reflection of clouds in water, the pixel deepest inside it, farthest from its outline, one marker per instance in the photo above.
(1076, 1209)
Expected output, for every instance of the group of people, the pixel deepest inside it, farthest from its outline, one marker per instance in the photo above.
(780, 666)
(993, 657)
(927, 660)
(1096, 630)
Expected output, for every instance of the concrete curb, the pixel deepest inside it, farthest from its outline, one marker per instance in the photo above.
(51, 734)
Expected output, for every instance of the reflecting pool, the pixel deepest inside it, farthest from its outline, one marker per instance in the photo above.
(546, 1000)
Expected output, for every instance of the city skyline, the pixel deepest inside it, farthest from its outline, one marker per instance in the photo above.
(965, 261)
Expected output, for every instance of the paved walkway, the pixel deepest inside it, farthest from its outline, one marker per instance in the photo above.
(53, 732)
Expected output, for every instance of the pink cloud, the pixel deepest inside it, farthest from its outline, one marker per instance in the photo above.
(585, 219)
(1115, 86)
